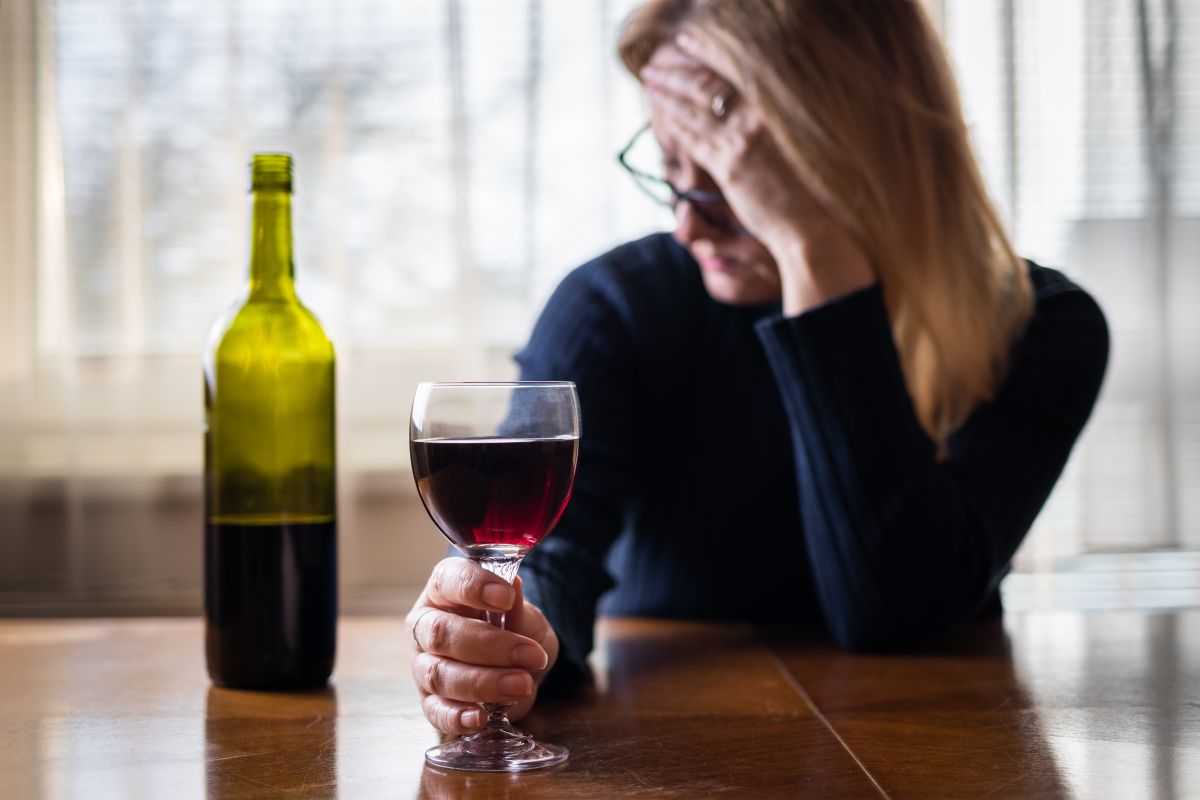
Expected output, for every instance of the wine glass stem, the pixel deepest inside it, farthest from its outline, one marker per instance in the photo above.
(506, 568)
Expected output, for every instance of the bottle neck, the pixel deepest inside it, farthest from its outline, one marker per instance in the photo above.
(271, 269)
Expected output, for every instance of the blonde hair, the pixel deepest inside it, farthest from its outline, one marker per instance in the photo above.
(860, 97)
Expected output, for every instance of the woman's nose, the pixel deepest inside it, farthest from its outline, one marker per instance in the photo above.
(690, 226)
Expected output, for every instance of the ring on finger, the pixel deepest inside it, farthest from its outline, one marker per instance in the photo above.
(416, 622)
(720, 103)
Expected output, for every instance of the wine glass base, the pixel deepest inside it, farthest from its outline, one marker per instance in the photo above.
(478, 754)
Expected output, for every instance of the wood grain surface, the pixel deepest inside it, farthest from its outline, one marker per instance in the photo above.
(1043, 705)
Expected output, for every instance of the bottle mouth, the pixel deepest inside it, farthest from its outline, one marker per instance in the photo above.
(271, 171)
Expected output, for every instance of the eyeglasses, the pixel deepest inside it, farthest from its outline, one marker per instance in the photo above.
(709, 206)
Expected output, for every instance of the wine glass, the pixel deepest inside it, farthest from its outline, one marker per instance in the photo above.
(495, 466)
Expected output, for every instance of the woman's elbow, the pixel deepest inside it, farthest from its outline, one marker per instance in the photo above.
(890, 632)
(860, 638)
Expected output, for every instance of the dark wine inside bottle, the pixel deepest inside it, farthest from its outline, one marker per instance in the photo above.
(272, 611)
(270, 589)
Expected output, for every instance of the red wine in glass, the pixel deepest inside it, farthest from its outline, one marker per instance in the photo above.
(484, 493)
(495, 465)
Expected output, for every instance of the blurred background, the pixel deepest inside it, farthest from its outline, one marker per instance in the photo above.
(454, 159)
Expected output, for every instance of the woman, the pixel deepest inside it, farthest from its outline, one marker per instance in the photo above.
(835, 394)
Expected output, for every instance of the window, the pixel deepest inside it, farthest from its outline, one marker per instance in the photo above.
(454, 159)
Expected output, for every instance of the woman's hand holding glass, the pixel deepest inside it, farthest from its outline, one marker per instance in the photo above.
(463, 660)
(494, 464)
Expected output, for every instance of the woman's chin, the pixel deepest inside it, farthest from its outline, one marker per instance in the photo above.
(738, 286)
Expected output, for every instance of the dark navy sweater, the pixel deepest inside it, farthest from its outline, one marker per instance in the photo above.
(739, 464)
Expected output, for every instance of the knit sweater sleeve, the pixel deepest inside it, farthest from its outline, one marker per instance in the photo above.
(581, 336)
(903, 545)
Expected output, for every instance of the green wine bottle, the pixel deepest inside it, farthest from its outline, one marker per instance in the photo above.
(270, 542)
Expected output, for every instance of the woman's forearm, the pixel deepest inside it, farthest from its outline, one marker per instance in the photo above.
(903, 545)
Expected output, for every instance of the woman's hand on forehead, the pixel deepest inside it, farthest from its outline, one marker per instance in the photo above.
(697, 111)
(734, 148)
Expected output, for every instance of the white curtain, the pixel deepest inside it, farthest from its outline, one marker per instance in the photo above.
(1087, 120)
(454, 159)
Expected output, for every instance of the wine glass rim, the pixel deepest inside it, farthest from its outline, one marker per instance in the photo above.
(501, 384)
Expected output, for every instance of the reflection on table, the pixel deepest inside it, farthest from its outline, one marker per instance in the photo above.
(1043, 704)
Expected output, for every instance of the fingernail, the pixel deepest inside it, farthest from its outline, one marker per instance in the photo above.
(516, 684)
(499, 595)
(471, 718)
(685, 41)
(529, 656)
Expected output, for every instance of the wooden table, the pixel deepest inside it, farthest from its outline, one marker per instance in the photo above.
(1044, 705)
